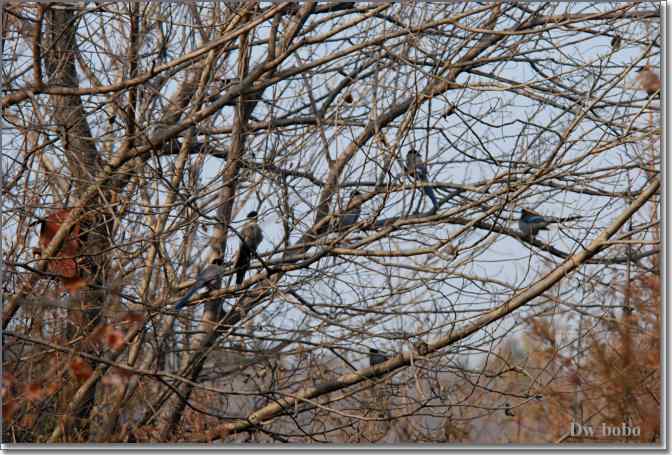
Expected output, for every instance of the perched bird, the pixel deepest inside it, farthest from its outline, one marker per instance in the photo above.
(507, 410)
(616, 42)
(251, 237)
(418, 170)
(376, 357)
(209, 277)
(531, 223)
(351, 215)
(648, 80)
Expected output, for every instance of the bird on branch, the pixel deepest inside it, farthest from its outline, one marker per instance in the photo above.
(376, 357)
(351, 214)
(417, 169)
(530, 223)
(251, 237)
(209, 277)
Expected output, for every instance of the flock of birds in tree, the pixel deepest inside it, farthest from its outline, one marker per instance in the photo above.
(251, 236)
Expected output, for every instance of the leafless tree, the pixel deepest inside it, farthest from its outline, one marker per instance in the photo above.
(137, 136)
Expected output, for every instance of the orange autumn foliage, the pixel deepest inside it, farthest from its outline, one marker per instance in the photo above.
(63, 264)
(80, 369)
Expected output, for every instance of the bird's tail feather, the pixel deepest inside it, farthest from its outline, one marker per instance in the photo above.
(242, 263)
(566, 219)
(429, 191)
(183, 301)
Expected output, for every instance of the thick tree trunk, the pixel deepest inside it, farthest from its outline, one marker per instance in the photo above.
(83, 163)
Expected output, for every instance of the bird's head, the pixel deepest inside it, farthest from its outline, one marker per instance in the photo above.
(252, 214)
(640, 69)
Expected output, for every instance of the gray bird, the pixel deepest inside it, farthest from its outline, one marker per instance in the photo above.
(351, 215)
(418, 170)
(376, 357)
(209, 277)
(531, 223)
(251, 237)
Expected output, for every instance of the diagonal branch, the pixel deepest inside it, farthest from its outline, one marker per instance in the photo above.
(551, 279)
